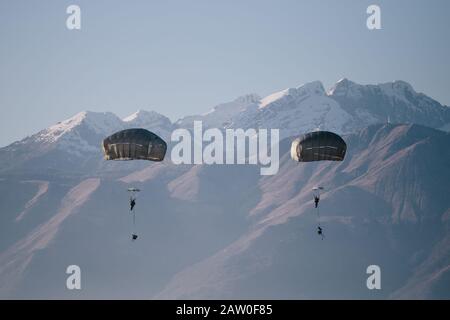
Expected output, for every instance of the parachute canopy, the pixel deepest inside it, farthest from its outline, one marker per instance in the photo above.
(133, 190)
(317, 146)
(317, 190)
(134, 144)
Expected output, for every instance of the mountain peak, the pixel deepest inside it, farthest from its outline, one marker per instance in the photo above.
(344, 81)
(273, 97)
(74, 120)
(150, 120)
(343, 85)
(315, 87)
(311, 88)
(96, 120)
(144, 118)
(143, 114)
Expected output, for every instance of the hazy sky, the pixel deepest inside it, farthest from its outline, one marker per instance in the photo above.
(184, 57)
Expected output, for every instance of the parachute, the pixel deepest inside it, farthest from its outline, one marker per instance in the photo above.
(317, 191)
(318, 146)
(134, 144)
(133, 190)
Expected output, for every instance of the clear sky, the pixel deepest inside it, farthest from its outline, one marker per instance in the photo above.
(184, 57)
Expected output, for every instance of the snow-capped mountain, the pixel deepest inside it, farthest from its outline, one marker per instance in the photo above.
(395, 102)
(150, 120)
(297, 110)
(221, 115)
(345, 108)
(74, 144)
(79, 134)
(61, 203)
(100, 123)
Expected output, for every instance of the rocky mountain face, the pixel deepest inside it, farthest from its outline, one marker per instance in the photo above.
(383, 205)
(217, 231)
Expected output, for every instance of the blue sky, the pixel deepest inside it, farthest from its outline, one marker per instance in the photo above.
(184, 57)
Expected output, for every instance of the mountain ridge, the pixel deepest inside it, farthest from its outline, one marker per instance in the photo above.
(346, 107)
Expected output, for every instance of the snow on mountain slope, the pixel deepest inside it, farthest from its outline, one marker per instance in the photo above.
(312, 88)
(221, 115)
(395, 101)
(345, 108)
(274, 97)
(100, 123)
(75, 142)
(150, 120)
(292, 110)
(77, 135)
(296, 110)
(67, 145)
